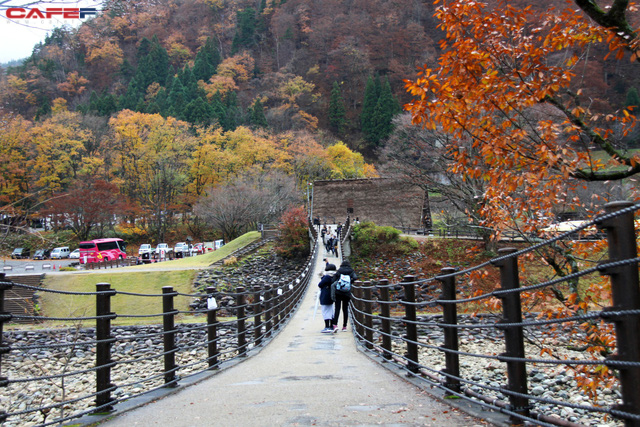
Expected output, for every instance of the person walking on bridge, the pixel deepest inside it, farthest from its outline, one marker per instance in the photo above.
(325, 297)
(341, 293)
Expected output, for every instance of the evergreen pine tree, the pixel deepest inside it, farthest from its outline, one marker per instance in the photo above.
(218, 110)
(207, 61)
(93, 101)
(176, 101)
(371, 95)
(144, 48)
(245, 30)
(197, 112)
(159, 104)
(384, 111)
(190, 84)
(257, 116)
(129, 100)
(153, 66)
(261, 25)
(232, 113)
(44, 109)
(126, 70)
(337, 110)
(107, 105)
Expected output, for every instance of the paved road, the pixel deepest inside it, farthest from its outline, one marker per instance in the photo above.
(28, 266)
(302, 377)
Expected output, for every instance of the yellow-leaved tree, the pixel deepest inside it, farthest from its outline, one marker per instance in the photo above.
(149, 159)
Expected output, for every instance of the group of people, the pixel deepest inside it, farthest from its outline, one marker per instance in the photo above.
(335, 294)
(330, 240)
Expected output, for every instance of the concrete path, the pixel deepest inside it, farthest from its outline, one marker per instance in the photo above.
(302, 377)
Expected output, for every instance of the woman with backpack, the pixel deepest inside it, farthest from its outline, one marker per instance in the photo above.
(341, 293)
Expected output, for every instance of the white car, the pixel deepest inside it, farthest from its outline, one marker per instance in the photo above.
(163, 248)
(75, 254)
(61, 252)
(145, 249)
(181, 250)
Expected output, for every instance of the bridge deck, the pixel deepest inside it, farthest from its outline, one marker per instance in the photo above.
(302, 377)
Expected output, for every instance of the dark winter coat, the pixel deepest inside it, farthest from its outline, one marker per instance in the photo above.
(325, 289)
(345, 268)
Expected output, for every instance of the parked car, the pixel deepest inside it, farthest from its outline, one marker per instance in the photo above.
(61, 252)
(75, 254)
(42, 254)
(181, 250)
(145, 251)
(21, 253)
(163, 248)
(198, 249)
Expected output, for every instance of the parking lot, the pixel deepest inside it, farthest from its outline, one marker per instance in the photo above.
(26, 266)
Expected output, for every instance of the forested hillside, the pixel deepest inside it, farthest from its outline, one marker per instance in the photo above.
(233, 61)
(159, 102)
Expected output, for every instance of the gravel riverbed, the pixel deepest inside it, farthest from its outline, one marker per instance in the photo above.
(557, 382)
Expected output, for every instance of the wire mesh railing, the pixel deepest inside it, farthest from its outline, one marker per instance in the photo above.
(498, 361)
(59, 377)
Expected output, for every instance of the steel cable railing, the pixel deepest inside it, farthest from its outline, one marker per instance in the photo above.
(167, 353)
(469, 358)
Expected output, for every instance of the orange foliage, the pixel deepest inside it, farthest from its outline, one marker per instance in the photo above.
(74, 85)
(509, 82)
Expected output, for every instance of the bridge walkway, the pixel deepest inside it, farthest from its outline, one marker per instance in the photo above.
(302, 377)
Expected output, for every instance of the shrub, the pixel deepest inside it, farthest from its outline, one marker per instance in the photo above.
(230, 261)
(369, 238)
(293, 241)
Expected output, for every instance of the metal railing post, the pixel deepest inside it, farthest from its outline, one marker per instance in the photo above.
(257, 315)
(450, 316)
(4, 349)
(268, 304)
(385, 314)
(169, 328)
(242, 329)
(367, 309)
(212, 332)
(410, 315)
(625, 292)
(357, 317)
(514, 337)
(103, 347)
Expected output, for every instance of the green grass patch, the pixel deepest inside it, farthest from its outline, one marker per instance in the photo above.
(205, 260)
(151, 282)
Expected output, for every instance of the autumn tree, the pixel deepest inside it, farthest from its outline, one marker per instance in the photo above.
(89, 205)
(347, 164)
(308, 159)
(510, 81)
(15, 148)
(149, 158)
(293, 241)
(242, 203)
(59, 152)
